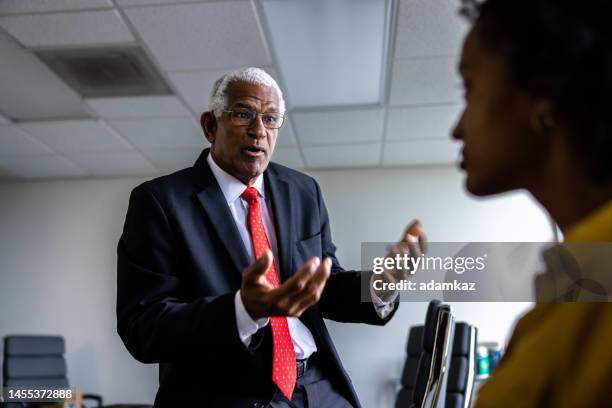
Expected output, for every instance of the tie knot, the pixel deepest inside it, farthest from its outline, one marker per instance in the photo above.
(249, 195)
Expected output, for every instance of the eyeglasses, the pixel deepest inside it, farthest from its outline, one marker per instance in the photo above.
(246, 117)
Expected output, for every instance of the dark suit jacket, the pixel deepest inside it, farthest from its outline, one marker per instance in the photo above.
(180, 261)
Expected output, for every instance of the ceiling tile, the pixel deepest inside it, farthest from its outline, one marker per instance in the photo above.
(144, 2)
(420, 152)
(4, 120)
(335, 126)
(346, 156)
(29, 90)
(113, 164)
(162, 134)
(427, 80)
(196, 86)
(76, 136)
(168, 161)
(430, 122)
(36, 6)
(201, 36)
(429, 28)
(50, 166)
(15, 142)
(138, 107)
(74, 28)
(288, 156)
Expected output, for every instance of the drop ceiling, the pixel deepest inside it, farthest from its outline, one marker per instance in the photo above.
(368, 83)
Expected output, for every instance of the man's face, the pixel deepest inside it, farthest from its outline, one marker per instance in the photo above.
(501, 151)
(243, 151)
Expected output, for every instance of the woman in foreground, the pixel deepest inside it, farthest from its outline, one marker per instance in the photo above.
(538, 116)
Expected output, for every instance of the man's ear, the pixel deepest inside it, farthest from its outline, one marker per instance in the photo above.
(543, 116)
(208, 121)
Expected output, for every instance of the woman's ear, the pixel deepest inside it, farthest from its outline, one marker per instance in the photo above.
(208, 121)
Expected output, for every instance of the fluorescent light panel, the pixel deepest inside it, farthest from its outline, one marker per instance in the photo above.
(329, 52)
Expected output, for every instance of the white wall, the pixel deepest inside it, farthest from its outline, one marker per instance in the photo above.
(57, 276)
(57, 267)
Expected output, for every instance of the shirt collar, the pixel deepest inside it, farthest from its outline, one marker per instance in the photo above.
(231, 187)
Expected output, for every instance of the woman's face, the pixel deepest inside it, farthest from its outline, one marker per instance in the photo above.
(501, 149)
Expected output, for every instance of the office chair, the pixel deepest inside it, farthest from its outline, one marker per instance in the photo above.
(432, 371)
(462, 368)
(36, 362)
(414, 348)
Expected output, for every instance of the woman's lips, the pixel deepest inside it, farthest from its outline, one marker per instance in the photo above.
(463, 161)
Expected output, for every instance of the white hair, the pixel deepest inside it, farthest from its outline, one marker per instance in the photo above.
(257, 76)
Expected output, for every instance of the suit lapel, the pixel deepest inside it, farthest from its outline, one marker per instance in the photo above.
(280, 196)
(212, 200)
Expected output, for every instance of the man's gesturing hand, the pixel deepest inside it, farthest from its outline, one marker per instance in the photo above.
(292, 298)
(412, 243)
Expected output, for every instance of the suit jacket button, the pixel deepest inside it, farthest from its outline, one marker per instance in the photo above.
(258, 405)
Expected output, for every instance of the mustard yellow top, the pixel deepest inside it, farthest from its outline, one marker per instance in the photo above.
(560, 354)
(596, 227)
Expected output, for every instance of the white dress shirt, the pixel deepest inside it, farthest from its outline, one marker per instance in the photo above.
(232, 188)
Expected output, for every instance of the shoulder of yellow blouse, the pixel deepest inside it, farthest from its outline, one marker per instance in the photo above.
(596, 227)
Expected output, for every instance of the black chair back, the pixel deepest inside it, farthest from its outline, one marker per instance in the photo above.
(34, 361)
(463, 367)
(433, 367)
(414, 349)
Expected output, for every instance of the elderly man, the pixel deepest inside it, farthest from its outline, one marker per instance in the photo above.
(227, 269)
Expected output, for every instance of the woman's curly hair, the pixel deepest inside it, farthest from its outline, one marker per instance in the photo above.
(561, 49)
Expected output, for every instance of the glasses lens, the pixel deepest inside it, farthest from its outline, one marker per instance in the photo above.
(245, 117)
(242, 117)
(272, 120)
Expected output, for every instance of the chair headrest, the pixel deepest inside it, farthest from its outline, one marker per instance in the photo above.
(461, 343)
(33, 345)
(431, 321)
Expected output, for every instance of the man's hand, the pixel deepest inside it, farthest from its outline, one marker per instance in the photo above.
(291, 298)
(411, 244)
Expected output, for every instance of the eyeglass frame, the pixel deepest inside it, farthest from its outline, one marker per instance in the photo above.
(282, 116)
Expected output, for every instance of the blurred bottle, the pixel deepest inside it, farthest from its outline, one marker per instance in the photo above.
(483, 363)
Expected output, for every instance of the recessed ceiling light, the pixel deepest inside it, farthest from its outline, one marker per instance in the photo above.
(330, 52)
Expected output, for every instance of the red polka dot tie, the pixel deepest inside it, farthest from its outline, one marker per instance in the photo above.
(283, 359)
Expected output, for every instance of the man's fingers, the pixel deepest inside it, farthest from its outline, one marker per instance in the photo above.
(300, 297)
(295, 295)
(412, 230)
(315, 283)
(299, 280)
(414, 234)
(423, 243)
(308, 282)
(313, 290)
(257, 269)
